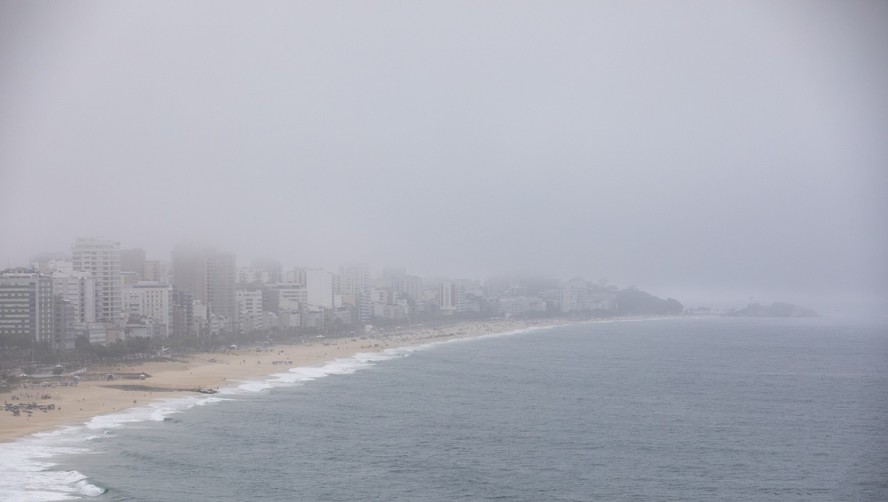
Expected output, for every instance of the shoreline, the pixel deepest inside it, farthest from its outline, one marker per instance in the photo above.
(56, 406)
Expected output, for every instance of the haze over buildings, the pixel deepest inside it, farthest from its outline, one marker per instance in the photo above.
(106, 294)
(701, 149)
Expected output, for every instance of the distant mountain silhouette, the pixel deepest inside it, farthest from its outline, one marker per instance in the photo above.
(631, 301)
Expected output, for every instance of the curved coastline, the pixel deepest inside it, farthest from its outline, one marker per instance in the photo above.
(29, 450)
(78, 405)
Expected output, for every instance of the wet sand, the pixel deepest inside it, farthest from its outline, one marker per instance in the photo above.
(96, 395)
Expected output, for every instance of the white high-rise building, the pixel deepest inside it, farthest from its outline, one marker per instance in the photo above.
(452, 297)
(152, 300)
(249, 309)
(289, 298)
(101, 258)
(249, 303)
(79, 288)
(353, 280)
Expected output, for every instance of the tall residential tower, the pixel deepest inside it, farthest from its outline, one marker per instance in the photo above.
(101, 258)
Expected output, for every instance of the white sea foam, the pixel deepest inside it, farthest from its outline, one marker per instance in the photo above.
(90, 490)
(372, 357)
(156, 411)
(29, 474)
(347, 365)
(28, 471)
(249, 386)
(302, 374)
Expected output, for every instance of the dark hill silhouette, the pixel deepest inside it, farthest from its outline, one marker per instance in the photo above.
(631, 301)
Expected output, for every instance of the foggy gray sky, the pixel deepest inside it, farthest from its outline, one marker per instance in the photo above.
(706, 147)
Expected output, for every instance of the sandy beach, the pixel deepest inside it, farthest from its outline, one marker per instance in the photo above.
(44, 406)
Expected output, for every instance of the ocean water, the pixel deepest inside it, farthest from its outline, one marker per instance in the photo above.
(668, 409)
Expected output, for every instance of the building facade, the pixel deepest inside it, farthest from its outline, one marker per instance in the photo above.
(249, 309)
(101, 258)
(151, 300)
(79, 288)
(64, 334)
(26, 306)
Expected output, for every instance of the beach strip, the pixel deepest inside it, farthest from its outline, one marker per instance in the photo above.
(46, 406)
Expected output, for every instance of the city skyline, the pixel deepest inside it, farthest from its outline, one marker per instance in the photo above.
(103, 294)
(727, 300)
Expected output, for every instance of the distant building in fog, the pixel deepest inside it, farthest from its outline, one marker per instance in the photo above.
(252, 275)
(295, 276)
(210, 277)
(578, 295)
(155, 270)
(319, 285)
(221, 285)
(133, 261)
(189, 269)
(271, 266)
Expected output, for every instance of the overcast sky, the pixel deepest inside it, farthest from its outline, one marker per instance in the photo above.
(705, 147)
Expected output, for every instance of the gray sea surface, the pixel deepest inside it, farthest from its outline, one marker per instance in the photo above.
(668, 409)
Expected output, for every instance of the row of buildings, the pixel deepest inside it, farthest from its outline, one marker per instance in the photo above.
(102, 293)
